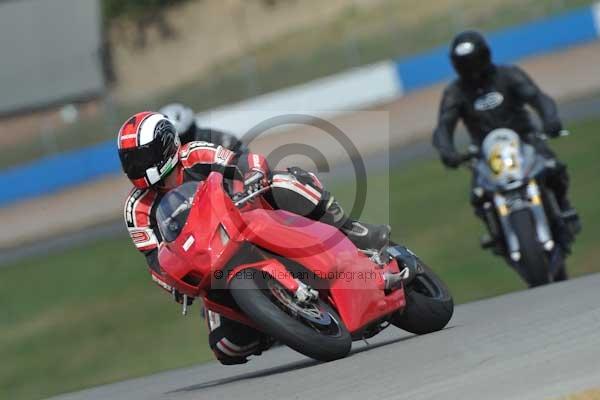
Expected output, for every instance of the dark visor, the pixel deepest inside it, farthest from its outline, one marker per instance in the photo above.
(136, 161)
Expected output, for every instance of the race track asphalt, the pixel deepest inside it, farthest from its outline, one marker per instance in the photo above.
(537, 344)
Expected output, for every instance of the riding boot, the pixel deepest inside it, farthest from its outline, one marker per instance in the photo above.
(558, 181)
(364, 236)
(569, 213)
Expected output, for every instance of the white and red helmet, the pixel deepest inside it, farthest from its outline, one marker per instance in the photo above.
(148, 148)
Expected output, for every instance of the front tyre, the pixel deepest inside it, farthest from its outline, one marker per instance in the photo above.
(314, 329)
(429, 305)
(534, 261)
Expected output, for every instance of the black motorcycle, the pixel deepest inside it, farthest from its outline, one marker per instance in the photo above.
(525, 223)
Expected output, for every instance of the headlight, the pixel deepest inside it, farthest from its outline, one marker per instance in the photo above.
(501, 163)
(496, 164)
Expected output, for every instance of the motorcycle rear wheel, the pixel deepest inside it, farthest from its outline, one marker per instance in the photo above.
(429, 304)
(314, 330)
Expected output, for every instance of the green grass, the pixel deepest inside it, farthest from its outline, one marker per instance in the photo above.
(91, 315)
(86, 317)
(384, 32)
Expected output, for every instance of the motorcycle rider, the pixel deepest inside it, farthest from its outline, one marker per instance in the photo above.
(189, 130)
(486, 97)
(154, 160)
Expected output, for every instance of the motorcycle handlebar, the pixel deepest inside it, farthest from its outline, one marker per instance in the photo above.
(474, 150)
(240, 201)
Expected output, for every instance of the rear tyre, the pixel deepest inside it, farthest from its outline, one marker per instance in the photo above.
(314, 330)
(429, 304)
(534, 261)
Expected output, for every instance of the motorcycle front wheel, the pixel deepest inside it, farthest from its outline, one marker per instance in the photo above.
(534, 262)
(429, 304)
(313, 329)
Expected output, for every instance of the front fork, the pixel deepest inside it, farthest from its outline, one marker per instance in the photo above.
(534, 203)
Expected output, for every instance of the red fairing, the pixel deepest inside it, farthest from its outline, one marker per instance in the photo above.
(272, 267)
(355, 284)
(216, 230)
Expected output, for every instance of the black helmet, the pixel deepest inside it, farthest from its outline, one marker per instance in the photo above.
(148, 148)
(471, 56)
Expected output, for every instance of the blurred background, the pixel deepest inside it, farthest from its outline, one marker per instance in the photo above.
(77, 307)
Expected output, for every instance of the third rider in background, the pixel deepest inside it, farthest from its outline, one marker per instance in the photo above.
(188, 129)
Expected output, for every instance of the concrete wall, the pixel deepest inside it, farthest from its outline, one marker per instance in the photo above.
(49, 52)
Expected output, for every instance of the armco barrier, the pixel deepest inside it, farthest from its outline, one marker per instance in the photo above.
(350, 90)
(355, 89)
(540, 37)
(51, 174)
(596, 12)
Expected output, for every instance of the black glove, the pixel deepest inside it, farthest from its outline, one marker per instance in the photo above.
(451, 160)
(553, 128)
(254, 181)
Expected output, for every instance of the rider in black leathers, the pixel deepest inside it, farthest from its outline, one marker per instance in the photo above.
(487, 97)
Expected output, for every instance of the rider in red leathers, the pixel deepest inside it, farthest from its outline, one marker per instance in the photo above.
(154, 160)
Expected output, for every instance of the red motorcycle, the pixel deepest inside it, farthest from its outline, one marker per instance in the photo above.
(301, 282)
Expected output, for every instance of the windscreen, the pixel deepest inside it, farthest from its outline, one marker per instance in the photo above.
(173, 210)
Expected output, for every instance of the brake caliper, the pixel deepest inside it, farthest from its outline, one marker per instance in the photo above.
(305, 294)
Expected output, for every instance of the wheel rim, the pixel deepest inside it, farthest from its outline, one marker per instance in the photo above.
(311, 314)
